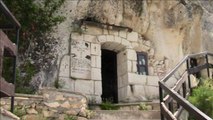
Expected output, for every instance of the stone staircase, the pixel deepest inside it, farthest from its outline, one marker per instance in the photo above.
(128, 111)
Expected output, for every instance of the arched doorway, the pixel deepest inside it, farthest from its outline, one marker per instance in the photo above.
(109, 76)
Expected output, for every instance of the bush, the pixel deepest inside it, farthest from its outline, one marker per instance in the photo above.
(202, 97)
(38, 19)
(69, 117)
(108, 106)
(143, 106)
(19, 111)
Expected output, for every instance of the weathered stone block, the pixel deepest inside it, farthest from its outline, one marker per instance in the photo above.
(90, 38)
(32, 111)
(122, 93)
(31, 117)
(73, 99)
(123, 80)
(67, 83)
(102, 38)
(60, 98)
(96, 74)
(129, 66)
(71, 112)
(66, 105)
(145, 48)
(132, 36)
(125, 42)
(93, 61)
(76, 105)
(131, 54)
(122, 34)
(77, 36)
(151, 92)
(152, 80)
(95, 49)
(110, 38)
(83, 73)
(91, 30)
(52, 105)
(98, 61)
(113, 32)
(134, 67)
(122, 68)
(137, 79)
(147, 43)
(117, 39)
(151, 52)
(65, 66)
(121, 57)
(139, 90)
(98, 87)
(84, 86)
(151, 70)
(130, 91)
(134, 44)
(105, 32)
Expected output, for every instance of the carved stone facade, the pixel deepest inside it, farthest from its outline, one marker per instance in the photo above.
(80, 71)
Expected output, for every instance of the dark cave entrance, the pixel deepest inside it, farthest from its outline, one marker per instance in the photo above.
(109, 76)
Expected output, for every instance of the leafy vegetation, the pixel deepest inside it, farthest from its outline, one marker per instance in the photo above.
(19, 111)
(22, 77)
(108, 106)
(70, 117)
(202, 97)
(143, 106)
(38, 20)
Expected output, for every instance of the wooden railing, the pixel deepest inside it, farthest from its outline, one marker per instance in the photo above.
(173, 98)
(8, 49)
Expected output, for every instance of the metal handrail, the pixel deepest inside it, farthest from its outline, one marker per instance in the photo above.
(176, 96)
(182, 62)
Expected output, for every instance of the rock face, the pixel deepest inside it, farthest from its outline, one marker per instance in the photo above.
(165, 30)
(50, 104)
(174, 26)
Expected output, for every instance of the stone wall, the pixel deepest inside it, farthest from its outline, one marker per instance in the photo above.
(80, 68)
(50, 104)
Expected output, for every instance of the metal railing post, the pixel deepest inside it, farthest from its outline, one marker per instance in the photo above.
(14, 69)
(207, 62)
(189, 80)
(184, 89)
(161, 100)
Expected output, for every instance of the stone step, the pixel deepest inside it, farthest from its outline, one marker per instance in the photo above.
(153, 105)
(126, 115)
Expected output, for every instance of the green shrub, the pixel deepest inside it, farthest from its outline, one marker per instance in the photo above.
(108, 106)
(143, 106)
(19, 111)
(38, 19)
(24, 75)
(70, 117)
(202, 97)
